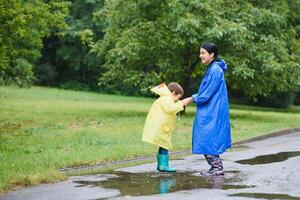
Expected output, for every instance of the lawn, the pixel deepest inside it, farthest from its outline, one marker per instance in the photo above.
(44, 129)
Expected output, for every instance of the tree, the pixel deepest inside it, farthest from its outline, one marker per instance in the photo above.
(67, 58)
(148, 41)
(262, 61)
(23, 26)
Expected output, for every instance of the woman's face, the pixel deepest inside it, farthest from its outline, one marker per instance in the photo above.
(205, 57)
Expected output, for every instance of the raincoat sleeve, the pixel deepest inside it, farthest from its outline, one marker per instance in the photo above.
(208, 87)
(171, 107)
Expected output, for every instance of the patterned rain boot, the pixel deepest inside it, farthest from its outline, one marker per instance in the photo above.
(216, 165)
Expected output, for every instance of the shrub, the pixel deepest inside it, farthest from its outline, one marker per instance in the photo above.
(74, 85)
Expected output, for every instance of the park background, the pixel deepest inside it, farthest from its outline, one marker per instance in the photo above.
(75, 75)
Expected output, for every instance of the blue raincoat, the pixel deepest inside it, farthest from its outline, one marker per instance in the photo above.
(211, 128)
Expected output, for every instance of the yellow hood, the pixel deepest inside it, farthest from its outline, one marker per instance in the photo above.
(161, 90)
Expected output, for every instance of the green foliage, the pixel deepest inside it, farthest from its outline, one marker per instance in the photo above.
(129, 46)
(147, 42)
(21, 74)
(277, 100)
(69, 55)
(45, 74)
(296, 93)
(74, 85)
(23, 26)
(139, 48)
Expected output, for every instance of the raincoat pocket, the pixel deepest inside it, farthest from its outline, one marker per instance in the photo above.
(165, 135)
(166, 128)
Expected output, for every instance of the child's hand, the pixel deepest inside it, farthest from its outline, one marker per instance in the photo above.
(188, 100)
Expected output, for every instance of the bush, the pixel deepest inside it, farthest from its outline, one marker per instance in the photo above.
(296, 92)
(74, 85)
(19, 74)
(277, 100)
(45, 74)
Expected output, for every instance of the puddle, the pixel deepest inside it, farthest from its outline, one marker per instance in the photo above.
(272, 158)
(266, 196)
(137, 184)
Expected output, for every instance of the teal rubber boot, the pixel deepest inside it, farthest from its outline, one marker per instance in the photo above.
(165, 185)
(163, 163)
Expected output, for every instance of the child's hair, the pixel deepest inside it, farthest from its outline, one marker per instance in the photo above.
(175, 87)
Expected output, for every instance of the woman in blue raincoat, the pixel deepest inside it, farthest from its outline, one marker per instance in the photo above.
(211, 128)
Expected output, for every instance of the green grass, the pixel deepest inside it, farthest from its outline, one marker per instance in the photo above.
(42, 130)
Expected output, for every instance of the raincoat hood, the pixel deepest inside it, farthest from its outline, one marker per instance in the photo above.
(221, 63)
(161, 90)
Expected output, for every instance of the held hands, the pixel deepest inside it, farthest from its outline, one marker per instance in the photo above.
(187, 101)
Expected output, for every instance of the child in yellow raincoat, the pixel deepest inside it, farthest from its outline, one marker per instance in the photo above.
(160, 122)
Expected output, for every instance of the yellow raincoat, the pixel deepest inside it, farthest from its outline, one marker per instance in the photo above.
(160, 122)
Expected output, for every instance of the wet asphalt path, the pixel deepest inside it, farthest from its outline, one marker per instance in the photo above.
(266, 169)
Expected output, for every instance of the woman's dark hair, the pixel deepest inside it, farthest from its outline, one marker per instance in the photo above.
(211, 48)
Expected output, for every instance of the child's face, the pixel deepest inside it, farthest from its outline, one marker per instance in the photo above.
(176, 97)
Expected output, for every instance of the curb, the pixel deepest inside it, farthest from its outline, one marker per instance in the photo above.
(179, 152)
(267, 135)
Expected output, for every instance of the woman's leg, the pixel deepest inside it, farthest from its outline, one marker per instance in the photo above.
(216, 165)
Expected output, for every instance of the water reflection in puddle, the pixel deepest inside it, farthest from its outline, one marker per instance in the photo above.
(279, 157)
(130, 184)
(266, 196)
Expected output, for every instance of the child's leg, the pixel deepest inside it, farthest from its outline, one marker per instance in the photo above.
(162, 151)
(163, 161)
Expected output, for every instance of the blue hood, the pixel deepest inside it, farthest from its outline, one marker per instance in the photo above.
(221, 64)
